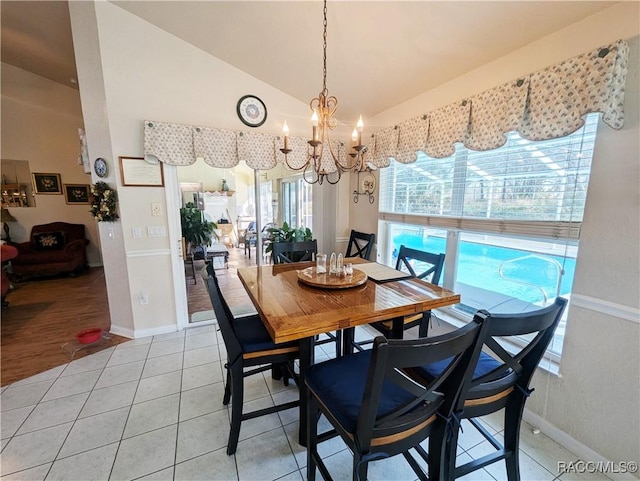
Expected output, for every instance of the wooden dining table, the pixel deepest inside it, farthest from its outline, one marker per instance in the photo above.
(296, 311)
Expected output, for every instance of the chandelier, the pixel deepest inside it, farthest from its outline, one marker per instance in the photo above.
(322, 162)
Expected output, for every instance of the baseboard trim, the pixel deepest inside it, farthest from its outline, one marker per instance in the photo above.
(121, 331)
(585, 453)
(140, 333)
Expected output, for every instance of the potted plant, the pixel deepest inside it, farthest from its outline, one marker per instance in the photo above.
(287, 234)
(196, 230)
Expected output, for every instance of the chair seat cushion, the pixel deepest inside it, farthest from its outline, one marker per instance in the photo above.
(253, 336)
(486, 364)
(339, 385)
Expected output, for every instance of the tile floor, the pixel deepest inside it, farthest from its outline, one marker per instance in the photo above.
(151, 409)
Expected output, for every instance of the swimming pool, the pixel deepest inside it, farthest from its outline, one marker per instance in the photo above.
(481, 264)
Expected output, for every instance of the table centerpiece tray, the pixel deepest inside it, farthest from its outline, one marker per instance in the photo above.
(310, 277)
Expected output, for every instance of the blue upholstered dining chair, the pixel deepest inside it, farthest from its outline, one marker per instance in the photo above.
(420, 264)
(500, 380)
(377, 407)
(248, 344)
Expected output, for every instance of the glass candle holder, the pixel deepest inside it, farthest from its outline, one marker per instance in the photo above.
(321, 263)
(332, 264)
(348, 269)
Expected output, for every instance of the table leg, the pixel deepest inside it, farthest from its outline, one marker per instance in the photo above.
(348, 336)
(306, 360)
(397, 331)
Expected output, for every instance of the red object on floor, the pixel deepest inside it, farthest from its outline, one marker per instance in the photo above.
(89, 335)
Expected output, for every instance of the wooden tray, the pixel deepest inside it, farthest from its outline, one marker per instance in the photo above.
(310, 277)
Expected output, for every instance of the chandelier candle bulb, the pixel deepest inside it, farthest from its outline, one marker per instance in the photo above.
(285, 131)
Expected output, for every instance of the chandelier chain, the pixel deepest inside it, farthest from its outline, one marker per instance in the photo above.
(324, 70)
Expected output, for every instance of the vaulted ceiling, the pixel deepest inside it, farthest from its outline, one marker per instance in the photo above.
(380, 53)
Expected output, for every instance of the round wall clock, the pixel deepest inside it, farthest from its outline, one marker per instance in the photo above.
(100, 167)
(252, 111)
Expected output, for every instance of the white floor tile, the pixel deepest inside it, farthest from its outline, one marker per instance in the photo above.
(18, 396)
(94, 465)
(201, 375)
(89, 363)
(162, 365)
(151, 415)
(200, 356)
(74, 384)
(38, 473)
(158, 386)
(120, 374)
(202, 400)
(124, 356)
(52, 413)
(169, 336)
(275, 455)
(162, 475)
(166, 347)
(11, 420)
(202, 435)
(109, 398)
(94, 432)
(33, 449)
(145, 454)
(199, 341)
(215, 466)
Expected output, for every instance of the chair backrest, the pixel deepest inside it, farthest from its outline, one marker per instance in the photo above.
(430, 262)
(224, 317)
(393, 363)
(360, 244)
(286, 252)
(251, 227)
(504, 370)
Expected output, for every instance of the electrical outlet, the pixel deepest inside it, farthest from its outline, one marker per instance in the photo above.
(136, 232)
(156, 209)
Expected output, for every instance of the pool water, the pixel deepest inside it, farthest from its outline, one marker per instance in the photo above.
(479, 265)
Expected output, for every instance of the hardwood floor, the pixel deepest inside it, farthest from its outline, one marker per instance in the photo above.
(45, 314)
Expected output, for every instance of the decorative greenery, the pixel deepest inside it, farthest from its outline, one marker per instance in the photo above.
(104, 202)
(287, 234)
(196, 230)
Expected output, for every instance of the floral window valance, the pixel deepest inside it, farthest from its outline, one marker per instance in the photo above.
(546, 104)
(543, 105)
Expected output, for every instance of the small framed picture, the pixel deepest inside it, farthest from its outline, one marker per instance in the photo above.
(47, 183)
(135, 171)
(77, 193)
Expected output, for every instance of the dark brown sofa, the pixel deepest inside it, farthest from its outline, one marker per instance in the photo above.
(54, 248)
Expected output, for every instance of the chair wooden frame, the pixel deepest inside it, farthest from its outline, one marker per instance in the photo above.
(395, 412)
(503, 383)
(242, 352)
(360, 244)
(405, 256)
(285, 252)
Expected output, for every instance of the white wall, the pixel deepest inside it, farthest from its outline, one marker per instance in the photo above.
(148, 74)
(40, 121)
(601, 360)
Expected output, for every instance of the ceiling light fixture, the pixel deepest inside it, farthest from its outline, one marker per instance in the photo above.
(322, 163)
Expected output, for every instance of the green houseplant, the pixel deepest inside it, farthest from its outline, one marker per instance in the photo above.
(196, 230)
(287, 234)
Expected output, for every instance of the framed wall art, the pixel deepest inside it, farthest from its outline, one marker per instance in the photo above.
(77, 193)
(135, 171)
(47, 183)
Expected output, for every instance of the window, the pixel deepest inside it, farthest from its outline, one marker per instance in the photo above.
(297, 205)
(508, 219)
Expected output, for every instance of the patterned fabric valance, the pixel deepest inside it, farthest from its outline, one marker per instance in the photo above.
(547, 104)
(543, 105)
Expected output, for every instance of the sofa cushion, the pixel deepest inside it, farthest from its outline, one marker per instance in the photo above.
(49, 241)
(35, 258)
